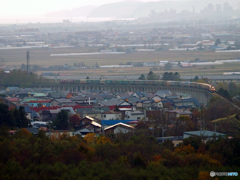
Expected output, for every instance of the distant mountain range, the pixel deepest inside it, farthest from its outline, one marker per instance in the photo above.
(83, 11)
(136, 9)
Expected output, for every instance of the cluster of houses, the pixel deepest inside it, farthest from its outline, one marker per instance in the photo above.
(99, 111)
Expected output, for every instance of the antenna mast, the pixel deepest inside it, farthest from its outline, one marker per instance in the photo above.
(28, 57)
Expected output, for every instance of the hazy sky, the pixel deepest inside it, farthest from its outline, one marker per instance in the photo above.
(41, 7)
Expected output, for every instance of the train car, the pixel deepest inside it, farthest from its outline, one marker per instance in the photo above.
(119, 82)
(149, 82)
(67, 81)
(135, 82)
(193, 84)
(62, 81)
(126, 82)
(102, 82)
(168, 83)
(95, 81)
(108, 81)
(76, 81)
(89, 81)
(159, 82)
(185, 84)
(83, 81)
(141, 82)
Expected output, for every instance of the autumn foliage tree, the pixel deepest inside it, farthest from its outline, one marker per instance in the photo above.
(74, 120)
(182, 124)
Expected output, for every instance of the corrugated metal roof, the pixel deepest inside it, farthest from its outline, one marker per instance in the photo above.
(204, 133)
(119, 124)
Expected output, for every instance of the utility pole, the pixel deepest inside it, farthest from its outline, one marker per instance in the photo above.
(163, 130)
(215, 126)
(28, 57)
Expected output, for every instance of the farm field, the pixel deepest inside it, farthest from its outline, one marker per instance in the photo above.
(41, 56)
(203, 70)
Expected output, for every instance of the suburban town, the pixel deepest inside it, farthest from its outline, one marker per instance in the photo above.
(113, 90)
(97, 111)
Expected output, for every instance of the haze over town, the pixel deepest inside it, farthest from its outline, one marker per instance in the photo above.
(118, 90)
(44, 11)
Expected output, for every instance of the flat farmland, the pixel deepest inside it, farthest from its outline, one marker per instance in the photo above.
(202, 70)
(41, 56)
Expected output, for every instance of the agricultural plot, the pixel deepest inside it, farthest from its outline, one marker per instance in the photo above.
(41, 56)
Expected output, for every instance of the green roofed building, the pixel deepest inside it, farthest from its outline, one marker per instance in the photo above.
(205, 134)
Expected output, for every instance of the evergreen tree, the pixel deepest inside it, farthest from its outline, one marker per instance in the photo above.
(233, 89)
(171, 76)
(226, 94)
(116, 108)
(168, 66)
(142, 77)
(196, 78)
(20, 117)
(217, 42)
(96, 65)
(61, 122)
(152, 76)
(6, 118)
(176, 76)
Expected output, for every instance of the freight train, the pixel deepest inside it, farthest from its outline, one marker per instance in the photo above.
(143, 82)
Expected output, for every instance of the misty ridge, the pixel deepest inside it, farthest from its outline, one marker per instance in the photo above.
(138, 9)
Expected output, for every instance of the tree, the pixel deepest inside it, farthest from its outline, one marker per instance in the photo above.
(233, 89)
(23, 67)
(116, 108)
(226, 94)
(61, 122)
(87, 77)
(152, 76)
(176, 76)
(168, 66)
(217, 42)
(200, 46)
(196, 78)
(179, 64)
(22, 121)
(96, 65)
(142, 77)
(6, 118)
(74, 120)
(182, 124)
(141, 125)
(171, 76)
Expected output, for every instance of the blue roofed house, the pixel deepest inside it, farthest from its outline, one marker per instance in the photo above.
(30, 113)
(186, 103)
(163, 93)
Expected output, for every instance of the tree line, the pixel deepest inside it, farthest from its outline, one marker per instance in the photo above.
(20, 78)
(167, 76)
(122, 156)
